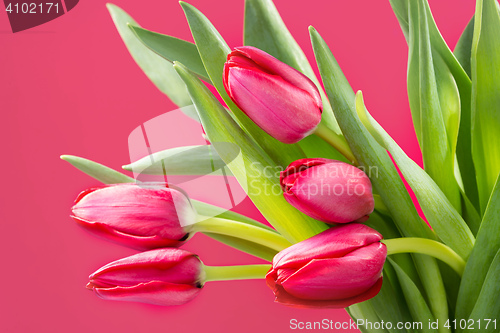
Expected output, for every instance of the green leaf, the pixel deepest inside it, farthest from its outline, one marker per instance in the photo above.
(389, 305)
(220, 127)
(265, 29)
(464, 45)
(445, 65)
(435, 104)
(97, 171)
(364, 314)
(370, 155)
(172, 49)
(488, 302)
(187, 160)
(416, 303)
(485, 249)
(485, 65)
(440, 214)
(157, 69)
(213, 51)
(314, 146)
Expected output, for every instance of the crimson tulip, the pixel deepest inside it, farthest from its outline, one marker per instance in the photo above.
(278, 98)
(167, 276)
(336, 268)
(142, 217)
(328, 190)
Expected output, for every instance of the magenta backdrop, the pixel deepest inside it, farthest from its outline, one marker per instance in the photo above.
(70, 87)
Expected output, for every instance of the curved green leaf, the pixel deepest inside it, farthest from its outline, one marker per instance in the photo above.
(435, 104)
(213, 51)
(187, 160)
(416, 303)
(172, 49)
(485, 64)
(440, 214)
(488, 302)
(265, 29)
(97, 171)
(220, 127)
(157, 69)
(463, 48)
(368, 152)
(485, 249)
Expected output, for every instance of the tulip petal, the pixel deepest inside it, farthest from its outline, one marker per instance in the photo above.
(338, 278)
(155, 292)
(272, 65)
(272, 102)
(285, 298)
(166, 265)
(332, 243)
(141, 243)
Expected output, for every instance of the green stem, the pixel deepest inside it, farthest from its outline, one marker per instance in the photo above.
(245, 231)
(244, 272)
(336, 141)
(380, 206)
(426, 246)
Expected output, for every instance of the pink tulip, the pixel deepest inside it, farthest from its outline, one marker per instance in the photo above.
(278, 98)
(162, 277)
(328, 190)
(142, 217)
(336, 268)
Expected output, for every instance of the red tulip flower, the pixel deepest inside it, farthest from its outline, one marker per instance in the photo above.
(278, 98)
(142, 217)
(328, 190)
(168, 276)
(336, 268)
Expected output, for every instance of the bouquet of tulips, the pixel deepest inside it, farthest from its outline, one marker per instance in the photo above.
(343, 236)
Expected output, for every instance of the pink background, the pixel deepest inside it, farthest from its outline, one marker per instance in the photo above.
(70, 87)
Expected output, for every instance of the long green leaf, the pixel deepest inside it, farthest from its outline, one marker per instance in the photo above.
(445, 65)
(97, 171)
(485, 249)
(368, 152)
(440, 214)
(265, 29)
(157, 69)
(416, 303)
(213, 51)
(187, 160)
(485, 65)
(263, 191)
(488, 302)
(172, 49)
(463, 48)
(435, 104)
(365, 317)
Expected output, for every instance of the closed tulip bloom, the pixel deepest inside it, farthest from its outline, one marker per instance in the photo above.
(328, 190)
(279, 99)
(142, 217)
(167, 276)
(336, 268)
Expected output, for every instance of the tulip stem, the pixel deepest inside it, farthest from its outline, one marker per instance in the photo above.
(337, 141)
(255, 234)
(243, 272)
(426, 246)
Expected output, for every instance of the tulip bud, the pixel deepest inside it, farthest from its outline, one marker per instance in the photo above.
(142, 217)
(336, 268)
(167, 276)
(328, 190)
(279, 99)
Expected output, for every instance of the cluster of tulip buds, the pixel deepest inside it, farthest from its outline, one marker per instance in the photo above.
(336, 268)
